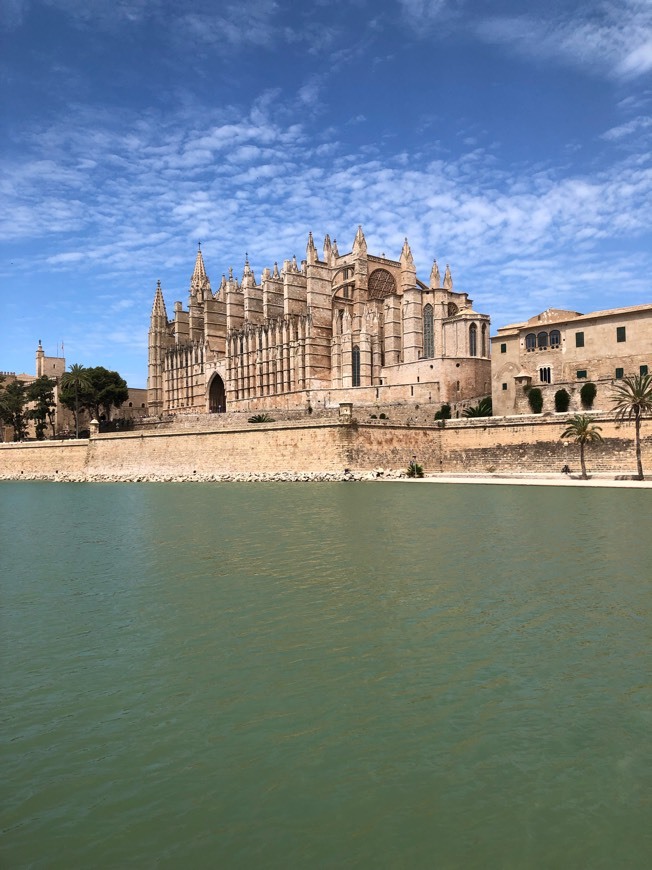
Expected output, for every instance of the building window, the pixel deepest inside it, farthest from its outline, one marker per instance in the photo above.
(428, 333)
(504, 386)
(380, 284)
(642, 370)
(555, 338)
(619, 373)
(503, 348)
(530, 341)
(542, 340)
(483, 340)
(580, 373)
(621, 334)
(355, 359)
(473, 340)
(544, 375)
(579, 339)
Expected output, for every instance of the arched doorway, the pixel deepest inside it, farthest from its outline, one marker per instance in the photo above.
(217, 396)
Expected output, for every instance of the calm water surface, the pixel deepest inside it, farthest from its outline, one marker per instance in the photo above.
(315, 675)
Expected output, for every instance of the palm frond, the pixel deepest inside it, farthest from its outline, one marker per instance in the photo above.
(632, 397)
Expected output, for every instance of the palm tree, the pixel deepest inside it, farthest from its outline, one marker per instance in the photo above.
(632, 401)
(78, 381)
(482, 409)
(583, 431)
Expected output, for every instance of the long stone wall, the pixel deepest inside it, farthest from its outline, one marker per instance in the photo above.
(502, 446)
(497, 445)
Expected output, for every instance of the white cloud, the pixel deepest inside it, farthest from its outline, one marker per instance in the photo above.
(608, 37)
(422, 13)
(134, 212)
(623, 131)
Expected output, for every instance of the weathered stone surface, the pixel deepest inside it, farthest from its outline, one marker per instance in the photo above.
(325, 451)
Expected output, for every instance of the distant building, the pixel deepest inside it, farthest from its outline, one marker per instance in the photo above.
(64, 421)
(341, 328)
(565, 349)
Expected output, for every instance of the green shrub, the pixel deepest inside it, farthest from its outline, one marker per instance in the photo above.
(562, 401)
(261, 418)
(535, 400)
(587, 394)
(373, 417)
(484, 408)
(383, 417)
(444, 413)
(414, 469)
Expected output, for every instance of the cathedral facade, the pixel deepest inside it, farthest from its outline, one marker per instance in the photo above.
(337, 328)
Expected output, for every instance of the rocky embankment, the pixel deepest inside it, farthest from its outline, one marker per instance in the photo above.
(277, 477)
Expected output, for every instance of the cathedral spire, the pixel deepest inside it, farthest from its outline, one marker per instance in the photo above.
(435, 277)
(359, 243)
(311, 250)
(199, 282)
(248, 278)
(406, 255)
(448, 278)
(158, 308)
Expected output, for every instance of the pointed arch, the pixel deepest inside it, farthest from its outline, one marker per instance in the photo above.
(428, 332)
(473, 340)
(355, 366)
(216, 395)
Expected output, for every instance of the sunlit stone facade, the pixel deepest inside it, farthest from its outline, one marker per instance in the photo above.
(560, 349)
(337, 328)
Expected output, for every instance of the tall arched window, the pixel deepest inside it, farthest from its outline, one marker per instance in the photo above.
(428, 332)
(473, 340)
(355, 360)
(542, 340)
(530, 341)
(483, 340)
(555, 338)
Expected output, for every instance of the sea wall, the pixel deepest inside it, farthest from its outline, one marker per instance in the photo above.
(490, 445)
(502, 446)
(44, 458)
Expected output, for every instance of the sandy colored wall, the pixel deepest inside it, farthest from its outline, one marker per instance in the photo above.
(487, 446)
(265, 448)
(482, 446)
(47, 458)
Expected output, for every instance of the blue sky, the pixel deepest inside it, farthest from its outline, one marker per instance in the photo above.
(511, 139)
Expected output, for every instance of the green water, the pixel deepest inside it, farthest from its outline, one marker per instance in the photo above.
(331, 675)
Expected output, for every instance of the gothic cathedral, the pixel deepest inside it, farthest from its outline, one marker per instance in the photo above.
(341, 328)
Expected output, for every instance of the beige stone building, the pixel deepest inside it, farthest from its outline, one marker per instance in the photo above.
(64, 420)
(334, 328)
(565, 349)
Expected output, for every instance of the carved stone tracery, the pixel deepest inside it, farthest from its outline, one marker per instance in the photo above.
(381, 284)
